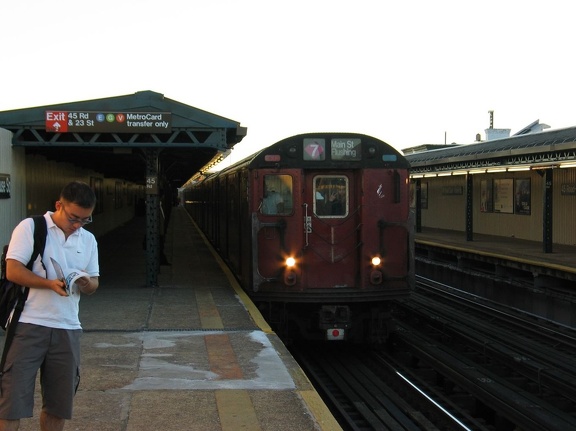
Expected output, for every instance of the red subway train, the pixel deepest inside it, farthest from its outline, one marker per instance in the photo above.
(317, 229)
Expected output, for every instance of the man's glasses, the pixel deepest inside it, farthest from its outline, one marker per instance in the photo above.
(82, 221)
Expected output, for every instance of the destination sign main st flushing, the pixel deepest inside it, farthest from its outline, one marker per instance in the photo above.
(108, 122)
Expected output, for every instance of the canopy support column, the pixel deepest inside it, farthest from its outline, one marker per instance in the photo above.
(152, 217)
(547, 215)
(469, 208)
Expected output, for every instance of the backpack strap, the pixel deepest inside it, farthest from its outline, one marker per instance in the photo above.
(3, 263)
(40, 233)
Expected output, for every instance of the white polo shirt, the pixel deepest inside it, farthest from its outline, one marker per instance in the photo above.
(77, 252)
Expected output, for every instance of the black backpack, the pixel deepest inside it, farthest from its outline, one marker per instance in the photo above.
(13, 296)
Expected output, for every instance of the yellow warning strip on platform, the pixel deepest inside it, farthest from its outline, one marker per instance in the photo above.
(250, 307)
(208, 312)
(236, 411)
(323, 416)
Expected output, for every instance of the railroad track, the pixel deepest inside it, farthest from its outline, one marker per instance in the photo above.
(520, 368)
(455, 361)
(365, 391)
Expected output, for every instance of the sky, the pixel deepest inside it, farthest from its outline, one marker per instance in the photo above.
(407, 72)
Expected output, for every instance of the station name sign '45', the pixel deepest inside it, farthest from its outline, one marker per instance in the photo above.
(108, 122)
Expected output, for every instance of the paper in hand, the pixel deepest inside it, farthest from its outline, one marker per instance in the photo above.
(69, 279)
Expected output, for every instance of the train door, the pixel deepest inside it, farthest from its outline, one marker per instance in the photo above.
(276, 229)
(331, 230)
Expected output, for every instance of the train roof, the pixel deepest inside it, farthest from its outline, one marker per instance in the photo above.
(292, 153)
(544, 147)
(336, 150)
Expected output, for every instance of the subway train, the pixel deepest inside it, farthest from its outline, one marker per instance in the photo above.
(317, 229)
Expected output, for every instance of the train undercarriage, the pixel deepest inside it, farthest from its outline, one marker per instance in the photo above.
(365, 323)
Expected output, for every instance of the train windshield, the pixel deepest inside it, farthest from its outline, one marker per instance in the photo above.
(331, 196)
(277, 195)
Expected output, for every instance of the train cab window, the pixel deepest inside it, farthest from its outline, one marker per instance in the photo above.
(331, 196)
(277, 199)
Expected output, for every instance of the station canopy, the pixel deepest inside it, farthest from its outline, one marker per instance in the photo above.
(112, 135)
(542, 150)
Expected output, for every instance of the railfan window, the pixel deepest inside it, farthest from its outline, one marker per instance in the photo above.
(331, 196)
(277, 198)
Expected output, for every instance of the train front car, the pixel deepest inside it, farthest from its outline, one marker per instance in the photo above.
(330, 235)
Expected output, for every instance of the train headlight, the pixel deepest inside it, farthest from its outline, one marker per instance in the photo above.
(376, 273)
(290, 276)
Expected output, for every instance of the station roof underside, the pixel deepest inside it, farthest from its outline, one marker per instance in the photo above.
(195, 138)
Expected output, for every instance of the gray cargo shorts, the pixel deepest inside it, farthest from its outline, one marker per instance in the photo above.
(56, 353)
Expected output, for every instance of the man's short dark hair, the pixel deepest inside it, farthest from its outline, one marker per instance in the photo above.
(79, 193)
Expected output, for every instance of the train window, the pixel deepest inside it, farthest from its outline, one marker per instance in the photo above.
(331, 196)
(277, 198)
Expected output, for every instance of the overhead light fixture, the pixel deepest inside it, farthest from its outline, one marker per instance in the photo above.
(544, 166)
(443, 174)
(568, 165)
(492, 170)
(477, 171)
(518, 168)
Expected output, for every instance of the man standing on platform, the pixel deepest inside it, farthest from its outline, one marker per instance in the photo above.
(47, 336)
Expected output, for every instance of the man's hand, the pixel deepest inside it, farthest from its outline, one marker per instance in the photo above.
(87, 285)
(58, 286)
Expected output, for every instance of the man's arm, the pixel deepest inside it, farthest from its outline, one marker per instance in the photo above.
(88, 285)
(17, 273)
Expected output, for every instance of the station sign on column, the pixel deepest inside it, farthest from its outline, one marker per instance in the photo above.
(108, 122)
(151, 185)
